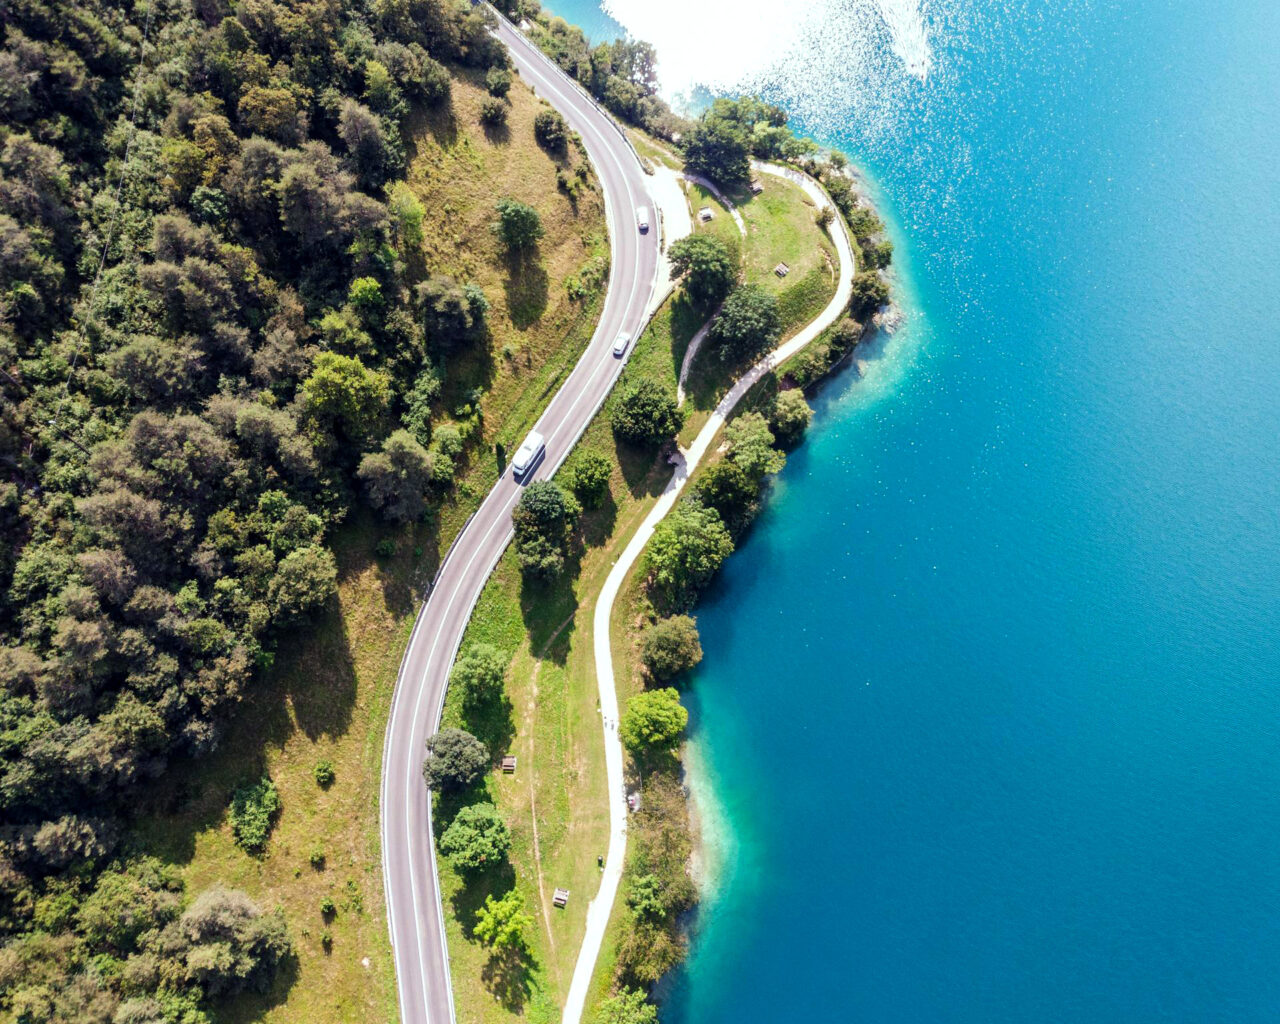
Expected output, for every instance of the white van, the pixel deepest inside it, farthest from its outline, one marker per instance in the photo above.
(620, 346)
(526, 457)
(642, 218)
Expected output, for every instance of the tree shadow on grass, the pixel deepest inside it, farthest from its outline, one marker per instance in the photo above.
(526, 288)
(498, 134)
(548, 607)
(508, 974)
(644, 469)
(597, 523)
(253, 1006)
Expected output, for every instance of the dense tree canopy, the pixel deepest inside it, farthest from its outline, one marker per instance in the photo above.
(476, 839)
(748, 323)
(542, 519)
(671, 646)
(654, 720)
(749, 443)
(209, 317)
(646, 413)
(455, 759)
(709, 268)
(790, 416)
(478, 673)
(686, 549)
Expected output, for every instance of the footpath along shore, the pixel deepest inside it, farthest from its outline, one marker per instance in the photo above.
(686, 461)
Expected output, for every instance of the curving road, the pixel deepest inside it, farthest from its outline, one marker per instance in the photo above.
(414, 912)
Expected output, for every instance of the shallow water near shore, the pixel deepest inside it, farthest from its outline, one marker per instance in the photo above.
(990, 710)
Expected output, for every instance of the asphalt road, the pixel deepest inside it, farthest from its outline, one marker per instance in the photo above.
(414, 911)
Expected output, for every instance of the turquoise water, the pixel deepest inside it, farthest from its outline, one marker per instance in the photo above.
(991, 699)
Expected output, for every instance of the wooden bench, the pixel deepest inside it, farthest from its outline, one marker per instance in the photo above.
(509, 763)
(560, 898)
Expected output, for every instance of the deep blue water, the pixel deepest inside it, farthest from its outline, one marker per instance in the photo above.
(991, 697)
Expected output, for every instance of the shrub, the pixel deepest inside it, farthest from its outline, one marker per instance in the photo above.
(498, 81)
(870, 292)
(629, 1006)
(316, 857)
(328, 908)
(671, 646)
(493, 112)
(254, 809)
(550, 130)
(479, 672)
(324, 773)
(519, 225)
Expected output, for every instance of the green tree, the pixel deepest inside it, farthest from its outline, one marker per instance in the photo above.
(501, 923)
(686, 549)
(654, 720)
(790, 416)
(493, 112)
(589, 477)
(397, 476)
(671, 646)
(519, 226)
(718, 148)
(254, 809)
(645, 898)
(750, 446)
(646, 413)
(542, 519)
(476, 839)
(479, 673)
(550, 130)
(870, 292)
(724, 487)
(628, 1006)
(344, 395)
(455, 759)
(748, 322)
(708, 267)
(304, 580)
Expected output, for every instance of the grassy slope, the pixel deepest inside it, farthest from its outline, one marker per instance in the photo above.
(330, 692)
(552, 723)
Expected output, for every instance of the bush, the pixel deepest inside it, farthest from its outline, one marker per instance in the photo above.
(324, 774)
(455, 759)
(550, 130)
(629, 1006)
(328, 909)
(749, 443)
(254, 809)
(647, 414)
(476, 839)
(589, 478)
(498, 82)
(654, 721)
(316, 857)
(493, 112)
(671, 646)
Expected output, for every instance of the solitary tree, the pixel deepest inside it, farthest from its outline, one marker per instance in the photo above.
(654, 720)
(501, 923)
(497, 81)
(476, 839)
(542, 519)
(748, 323)
(647, 414)
(870, 292)
(670, 646)
(519, 225)
(455, 759)
(479, 672)
(708, 267)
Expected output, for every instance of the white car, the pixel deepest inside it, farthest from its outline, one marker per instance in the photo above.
(527, 455)
(620, 346)
(642, 218)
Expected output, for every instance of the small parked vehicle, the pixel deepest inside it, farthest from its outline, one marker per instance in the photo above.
(620, 346)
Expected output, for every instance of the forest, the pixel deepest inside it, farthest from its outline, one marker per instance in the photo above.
(217, 338)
